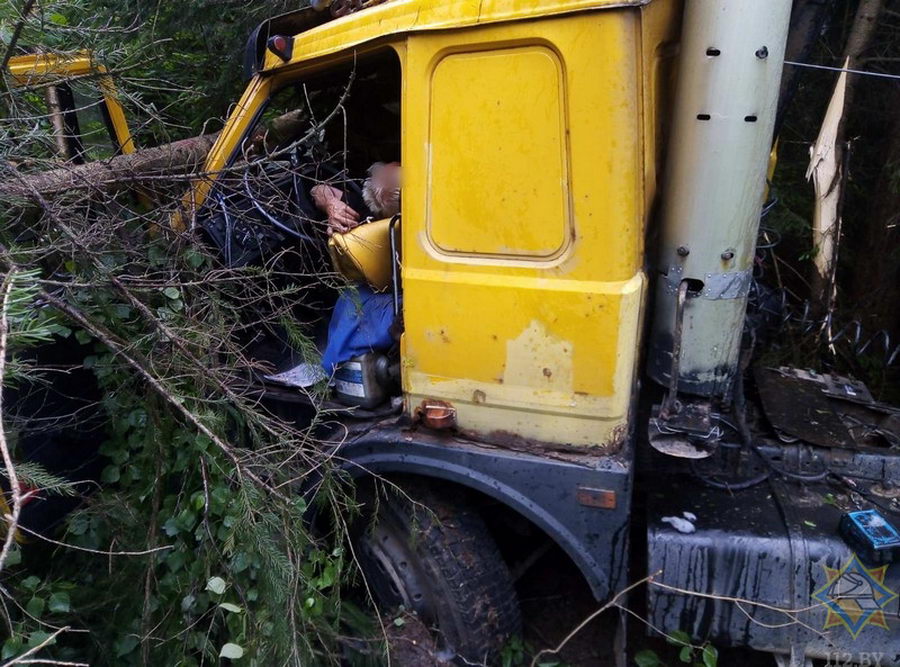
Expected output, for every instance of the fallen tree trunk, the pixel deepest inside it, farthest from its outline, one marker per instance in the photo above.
(180, 157)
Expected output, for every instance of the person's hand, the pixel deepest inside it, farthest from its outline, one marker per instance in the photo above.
(341, 216)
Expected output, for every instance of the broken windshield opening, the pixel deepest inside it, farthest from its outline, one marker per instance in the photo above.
(328, 128)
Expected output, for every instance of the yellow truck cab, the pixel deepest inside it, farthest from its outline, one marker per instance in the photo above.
(523, 215)
(566, 165)
(86, 128)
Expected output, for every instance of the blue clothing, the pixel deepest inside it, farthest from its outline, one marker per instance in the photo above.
(360, 323)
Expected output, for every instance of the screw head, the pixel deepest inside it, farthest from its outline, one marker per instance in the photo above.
(728, 255)
(683, 251)
(762, 52)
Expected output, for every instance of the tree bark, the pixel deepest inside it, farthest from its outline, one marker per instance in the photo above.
(54, 110)
(826, 225)
(825, 171)
(876, 275)
(179, 157)
(865, 22)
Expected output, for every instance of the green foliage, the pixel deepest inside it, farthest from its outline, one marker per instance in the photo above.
(28, 325)
(194, 546)
(688, 653)
(648, 658)
(35, 476)
(196, 48)
(39, 601)
(239, 570)
(231, 569)
(515, 652)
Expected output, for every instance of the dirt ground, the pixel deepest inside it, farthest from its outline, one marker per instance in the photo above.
(412, 644)
(555, 599)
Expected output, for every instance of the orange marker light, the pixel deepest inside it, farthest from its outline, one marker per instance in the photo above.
(438, 415)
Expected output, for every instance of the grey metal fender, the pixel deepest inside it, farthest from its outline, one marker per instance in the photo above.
(558, 494)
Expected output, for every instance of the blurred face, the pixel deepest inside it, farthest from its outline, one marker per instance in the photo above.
(381, 190)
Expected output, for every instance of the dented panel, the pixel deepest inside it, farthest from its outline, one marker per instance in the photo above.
(525, 357)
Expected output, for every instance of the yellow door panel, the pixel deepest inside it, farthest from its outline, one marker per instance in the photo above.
(497, 172)
(523, 218)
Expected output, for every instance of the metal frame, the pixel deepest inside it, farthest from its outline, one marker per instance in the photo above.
(41, 67)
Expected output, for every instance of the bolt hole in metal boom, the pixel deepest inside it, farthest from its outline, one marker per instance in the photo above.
(694, 287)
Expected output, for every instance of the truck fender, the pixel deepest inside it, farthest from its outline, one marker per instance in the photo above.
(548, 492)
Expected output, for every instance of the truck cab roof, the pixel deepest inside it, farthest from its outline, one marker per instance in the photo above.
(313, 33)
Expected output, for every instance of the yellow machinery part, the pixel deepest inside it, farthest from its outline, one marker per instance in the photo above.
(42, 66)
(364, 254)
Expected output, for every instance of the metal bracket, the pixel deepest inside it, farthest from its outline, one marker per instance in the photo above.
(728, 285)
(716, 286)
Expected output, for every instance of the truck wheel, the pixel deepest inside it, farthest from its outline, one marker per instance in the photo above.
(431, 553)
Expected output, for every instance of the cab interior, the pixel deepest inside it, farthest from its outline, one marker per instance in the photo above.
(326, 127)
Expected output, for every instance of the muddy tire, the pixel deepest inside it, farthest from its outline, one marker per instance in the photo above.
(434, 556)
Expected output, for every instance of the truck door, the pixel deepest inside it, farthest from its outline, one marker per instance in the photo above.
(522, 226)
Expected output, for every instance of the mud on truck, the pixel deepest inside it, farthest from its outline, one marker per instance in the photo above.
(560, 337)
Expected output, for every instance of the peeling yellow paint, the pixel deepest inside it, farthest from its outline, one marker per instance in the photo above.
(538, 359)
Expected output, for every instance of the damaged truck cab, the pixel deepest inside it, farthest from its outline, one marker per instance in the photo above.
(524, 206)
(534, 228)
